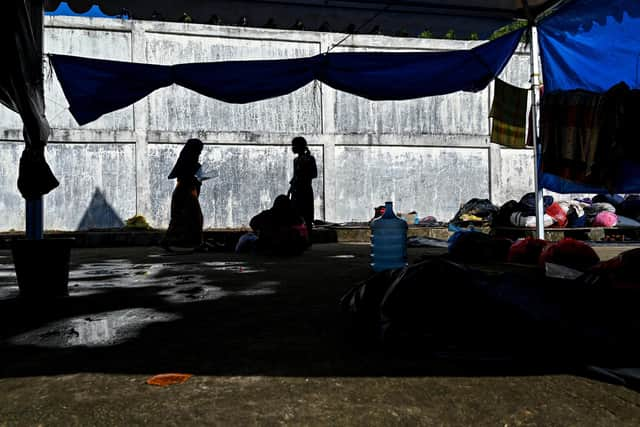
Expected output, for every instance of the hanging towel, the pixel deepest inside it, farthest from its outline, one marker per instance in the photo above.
(509, 113)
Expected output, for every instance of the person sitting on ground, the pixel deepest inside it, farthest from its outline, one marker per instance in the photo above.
(280, 230)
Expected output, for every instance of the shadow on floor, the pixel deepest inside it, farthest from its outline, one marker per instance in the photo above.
(140, 311)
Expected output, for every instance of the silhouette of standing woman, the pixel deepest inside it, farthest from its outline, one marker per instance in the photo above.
(185, 227)
(304, 170)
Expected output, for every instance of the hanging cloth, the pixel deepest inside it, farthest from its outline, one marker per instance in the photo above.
(20, 90)
(94, 87)
(570, 125)
(509, 113)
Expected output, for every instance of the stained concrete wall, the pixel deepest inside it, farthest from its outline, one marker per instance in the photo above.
(429, 154)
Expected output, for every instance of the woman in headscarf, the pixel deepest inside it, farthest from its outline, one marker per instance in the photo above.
(304, 171)
(185, 227)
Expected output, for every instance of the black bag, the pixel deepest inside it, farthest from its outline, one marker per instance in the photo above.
(482, 208)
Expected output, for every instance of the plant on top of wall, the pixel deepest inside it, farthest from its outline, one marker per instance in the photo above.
(426, 34)
(516, 25)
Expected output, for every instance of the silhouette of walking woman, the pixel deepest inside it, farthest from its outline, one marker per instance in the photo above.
(304, 171)
(185, 227)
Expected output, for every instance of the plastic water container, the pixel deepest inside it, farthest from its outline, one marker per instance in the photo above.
(388, 241)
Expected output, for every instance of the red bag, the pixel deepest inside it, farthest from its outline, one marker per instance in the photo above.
(559, 216)
(527, 251)
(570, 253)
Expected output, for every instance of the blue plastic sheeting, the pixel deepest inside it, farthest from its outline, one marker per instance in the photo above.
(396, 76)
(64, 10)
(95, 87)
(591, 45)
(628, 182)
(240, 82)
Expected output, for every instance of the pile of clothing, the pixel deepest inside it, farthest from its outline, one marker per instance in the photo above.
(523, 213)
(575, 260)
(411, 218)
(476, 212)
(568, 252)
(430, 221)
(603, 210)
(448, 297)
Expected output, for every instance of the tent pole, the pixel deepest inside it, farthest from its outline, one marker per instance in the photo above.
(35, 218)
(34, 211)
(535, 103)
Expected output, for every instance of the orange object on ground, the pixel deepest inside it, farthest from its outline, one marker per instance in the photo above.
(164, 380)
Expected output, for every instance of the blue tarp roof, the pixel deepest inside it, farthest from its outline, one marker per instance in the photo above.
(65, 10)
(95, 87)
(592, 45)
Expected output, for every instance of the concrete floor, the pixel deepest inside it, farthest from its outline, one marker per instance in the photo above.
(267, 344)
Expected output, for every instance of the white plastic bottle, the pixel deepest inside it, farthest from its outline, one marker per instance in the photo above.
(388, 241)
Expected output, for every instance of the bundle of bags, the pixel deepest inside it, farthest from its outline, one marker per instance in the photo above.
(601, 211)
(566, 259)
(472, 246)
(523, 213)
(575, 260)
(478, 212)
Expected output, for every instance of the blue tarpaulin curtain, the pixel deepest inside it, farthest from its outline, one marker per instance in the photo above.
(592, 45)
(96, 87)
(395, 76)
(240, 82)
(629, 179)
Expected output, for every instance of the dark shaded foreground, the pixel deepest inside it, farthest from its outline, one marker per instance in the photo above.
(268, 344)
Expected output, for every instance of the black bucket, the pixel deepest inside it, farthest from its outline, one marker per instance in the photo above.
(42, 267)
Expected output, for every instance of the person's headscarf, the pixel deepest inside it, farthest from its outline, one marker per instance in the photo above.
(187, 164)
(300, 145)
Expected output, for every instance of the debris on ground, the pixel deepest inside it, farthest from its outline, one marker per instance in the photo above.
(165, 380)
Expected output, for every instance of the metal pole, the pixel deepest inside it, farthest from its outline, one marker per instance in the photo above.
(34, 218)
(535, 103)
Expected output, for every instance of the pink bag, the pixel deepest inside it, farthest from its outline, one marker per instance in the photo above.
(605, 219)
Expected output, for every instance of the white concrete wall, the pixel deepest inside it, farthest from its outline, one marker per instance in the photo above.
(429, 154)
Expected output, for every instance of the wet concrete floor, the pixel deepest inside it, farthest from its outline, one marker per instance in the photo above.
(267, 344)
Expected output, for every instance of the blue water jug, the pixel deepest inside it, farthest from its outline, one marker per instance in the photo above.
(388, 241)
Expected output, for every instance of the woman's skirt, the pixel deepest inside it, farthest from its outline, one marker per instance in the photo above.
(185, 227)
